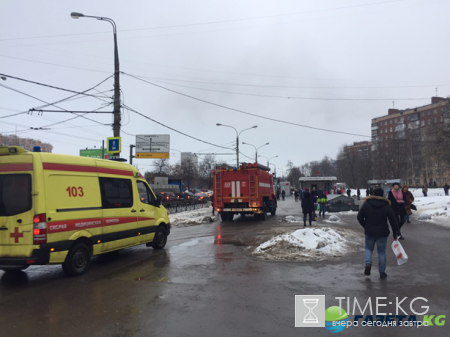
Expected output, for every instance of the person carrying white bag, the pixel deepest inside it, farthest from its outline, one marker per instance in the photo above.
(373, 216)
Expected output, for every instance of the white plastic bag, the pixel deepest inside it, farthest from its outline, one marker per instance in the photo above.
(399, 252)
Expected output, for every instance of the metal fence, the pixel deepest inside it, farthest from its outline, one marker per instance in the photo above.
(180, 206)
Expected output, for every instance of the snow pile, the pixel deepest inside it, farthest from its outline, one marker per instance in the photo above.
(306, 244)
(194, 217)
(432, 192)
(293, 219)
(435, 208)
(333, 218)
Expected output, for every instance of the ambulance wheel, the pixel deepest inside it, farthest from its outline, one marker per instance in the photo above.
(77, 261)
(273, 211)
(160, 239)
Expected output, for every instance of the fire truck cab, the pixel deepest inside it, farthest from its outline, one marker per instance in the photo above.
(246, 190)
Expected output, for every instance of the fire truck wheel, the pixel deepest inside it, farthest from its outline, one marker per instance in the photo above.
(230, 216)
(223, 216)
(264, 213)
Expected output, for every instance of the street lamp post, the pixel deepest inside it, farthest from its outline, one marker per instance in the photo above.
(256, 149)
(117, 118)
(237, 139)
(268, 159)
(275, 171)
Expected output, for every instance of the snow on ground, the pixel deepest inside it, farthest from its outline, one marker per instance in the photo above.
(307, 244)
(194, 217)
(438, 207)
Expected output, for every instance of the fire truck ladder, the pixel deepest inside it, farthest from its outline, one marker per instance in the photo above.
(252, 189)
(218, 189)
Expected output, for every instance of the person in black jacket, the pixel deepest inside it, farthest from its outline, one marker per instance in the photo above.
(398, 202)
(373, 216)
(307, 207)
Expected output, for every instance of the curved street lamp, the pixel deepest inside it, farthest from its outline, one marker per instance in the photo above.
(237, 138)
(256, 149)
(268, 159)
(117, 118)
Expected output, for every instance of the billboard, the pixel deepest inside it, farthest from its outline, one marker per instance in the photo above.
(152, 146)
(93, 153)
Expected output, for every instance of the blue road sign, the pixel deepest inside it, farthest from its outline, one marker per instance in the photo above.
(113, 145)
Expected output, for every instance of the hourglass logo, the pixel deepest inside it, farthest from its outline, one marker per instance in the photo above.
(310, 311)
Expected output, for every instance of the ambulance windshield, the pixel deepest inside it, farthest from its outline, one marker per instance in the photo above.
(15, 194)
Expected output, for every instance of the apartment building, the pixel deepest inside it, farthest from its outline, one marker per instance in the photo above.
(415, 126)
(26, 143)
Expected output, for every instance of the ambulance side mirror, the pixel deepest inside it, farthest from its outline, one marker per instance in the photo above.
(158, 201)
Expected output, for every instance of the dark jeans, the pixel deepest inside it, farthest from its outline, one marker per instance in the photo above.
(322, 209)
(381, 248)
(310, 218)
(400, 219)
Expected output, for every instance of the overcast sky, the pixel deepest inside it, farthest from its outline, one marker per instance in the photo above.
(285, 60)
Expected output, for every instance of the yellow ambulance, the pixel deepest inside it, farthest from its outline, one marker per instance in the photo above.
(60, 209)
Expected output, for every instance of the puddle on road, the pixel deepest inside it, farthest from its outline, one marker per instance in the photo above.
(150, 274)
(221, 239)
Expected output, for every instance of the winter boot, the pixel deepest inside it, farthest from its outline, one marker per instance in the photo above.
(383, 275)
(367, 270)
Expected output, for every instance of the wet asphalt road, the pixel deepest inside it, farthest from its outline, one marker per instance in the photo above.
(206, 284)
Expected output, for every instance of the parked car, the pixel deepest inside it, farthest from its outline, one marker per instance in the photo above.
(168, 196)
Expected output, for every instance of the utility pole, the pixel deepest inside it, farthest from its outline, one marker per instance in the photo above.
(117, 117)
(131, 154)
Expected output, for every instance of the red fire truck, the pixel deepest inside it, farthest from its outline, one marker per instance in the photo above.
(247, 190)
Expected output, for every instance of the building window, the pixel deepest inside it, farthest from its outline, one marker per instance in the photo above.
(429, 121)
(385, 131)
(396, 120)
(385, 123)
(392, 136)
(435, 120)
(429, 113)
(423, 123)
(381, 123)
(402, 120)
(423, 114)
(381, 131)
(390, 122)
(390, 129)
(435, 111)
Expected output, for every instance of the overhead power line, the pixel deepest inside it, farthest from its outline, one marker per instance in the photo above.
(207, 22)
(57, 88)
(168, 127)
(300, 98)
(245, 112)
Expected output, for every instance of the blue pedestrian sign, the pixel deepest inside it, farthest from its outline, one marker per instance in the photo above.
(113, 145)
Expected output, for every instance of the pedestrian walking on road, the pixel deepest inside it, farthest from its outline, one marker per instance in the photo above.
(409, 199)
(283, 194)
(425, 191)
(397, 199)
(307, 207)
(323, 201)
(373, 216)
(300, 194)
(358, 193)
(446, 188)
(349, 192)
